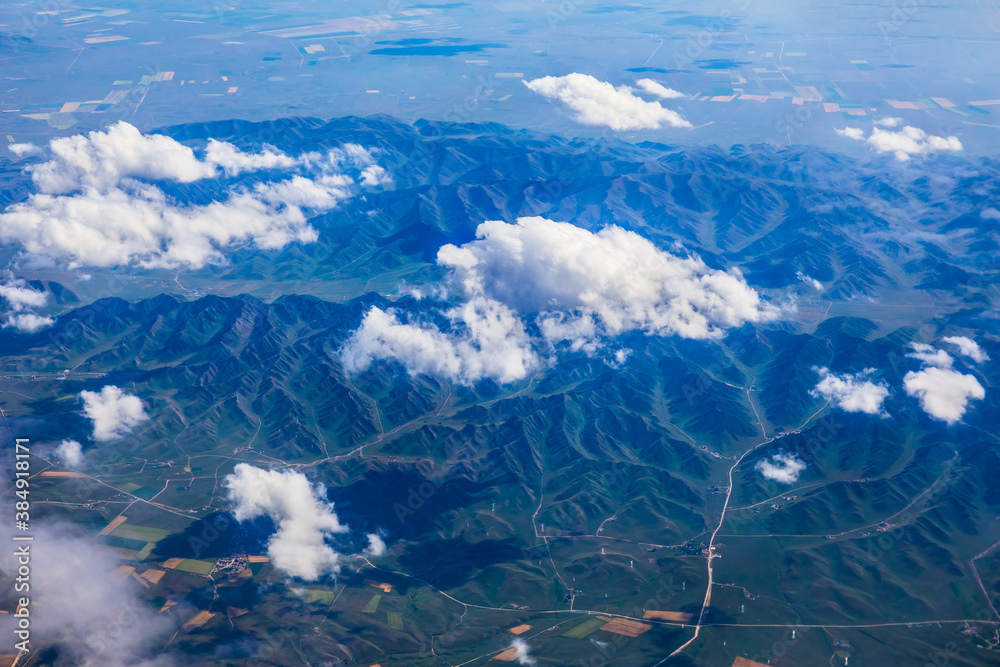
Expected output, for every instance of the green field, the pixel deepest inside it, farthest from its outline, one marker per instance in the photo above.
(319, 596)
(585, 629)
(195, 566)
(143, 533)
(372, 604)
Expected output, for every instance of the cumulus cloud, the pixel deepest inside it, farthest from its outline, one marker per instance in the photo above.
(930, 355)
(96, 204)
(233, 161)
(782, 468)
(374, 175)
(19, 295)
(809, 280)
(115, 414)
(23, 150)
(911, 141)
(968, 348)
(595, 102)
(303, 518)
(903, 143)
(577, 287)
(28, 322)
(851, 393)
(91, 617)
(944, 394)
(100, 160)
(376, 545)
(521, 654)
(888, 122)
(21, 299)
(487, 340)
(70, 452)
(851, 133)
(585, 284)
(658, 89)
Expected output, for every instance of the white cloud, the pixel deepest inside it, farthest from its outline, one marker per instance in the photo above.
(852, 133)
(599, 103)
(584, 284)
(374, 175)
(888, 122)
(320, 193)
(100, 160)
(658, 89)
(930, 355)
(27, 322)
(852, 393)
(19, 296)
(21, 299)
(989, 213)
(21, 150)
(115, 414)
(578, 287)
(233, 161)
(70, 452)
(521, 654)
(910, 141)
(80, 608)
(92, 209)
(904, 143)
(808, 280)
(303, 518)
(782, 468)
(489, 341)
(376, 545)
(968, 348)
(944, 393)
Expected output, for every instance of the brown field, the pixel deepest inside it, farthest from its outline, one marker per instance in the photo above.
(743, 662)
(237, 579)
(9, 659)
(199, 620)
(678, 616)
(167, 605)
(171, 563)
(387, 588)
(622, 626)
(257, 559)
(153, 575)
(60, 473)
(122, 572)
(520, 630)
(510, 655)
(108, 529)
(236, 612)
